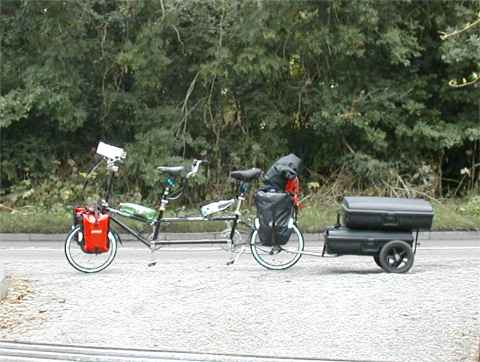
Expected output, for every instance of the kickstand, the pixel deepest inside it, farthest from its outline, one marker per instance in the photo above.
(234, 259)
(153, 260)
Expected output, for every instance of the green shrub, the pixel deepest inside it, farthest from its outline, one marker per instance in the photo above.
(472, 207)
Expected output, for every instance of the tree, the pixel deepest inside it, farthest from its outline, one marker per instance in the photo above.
(351, 87)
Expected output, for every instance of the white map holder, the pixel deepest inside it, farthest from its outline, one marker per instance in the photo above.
(111, 152)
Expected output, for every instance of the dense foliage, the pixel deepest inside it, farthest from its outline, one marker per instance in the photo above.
(358, 89)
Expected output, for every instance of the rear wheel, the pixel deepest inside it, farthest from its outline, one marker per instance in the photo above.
(280, 256)
(88, 262)
(396, 257)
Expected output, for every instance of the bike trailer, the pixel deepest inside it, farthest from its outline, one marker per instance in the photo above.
(274, 211)
(387, 213)
(95, 228)
(341, 240)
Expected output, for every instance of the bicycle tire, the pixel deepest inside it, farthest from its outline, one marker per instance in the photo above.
(396, 256)
(279, 257)
(78, 259)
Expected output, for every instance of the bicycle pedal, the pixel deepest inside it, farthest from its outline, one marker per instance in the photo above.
(230, 262)
(153, 263)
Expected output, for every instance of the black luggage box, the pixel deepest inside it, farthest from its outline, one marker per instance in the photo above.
(387, 213)
(345, 241)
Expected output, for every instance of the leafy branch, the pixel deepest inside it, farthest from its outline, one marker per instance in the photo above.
(444, 35)
(456, 84)
(474, 77)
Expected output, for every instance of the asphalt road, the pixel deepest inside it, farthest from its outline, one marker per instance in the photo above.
(135, 251)
(340, 309)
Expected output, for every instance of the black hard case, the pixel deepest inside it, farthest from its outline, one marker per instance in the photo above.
(345, 241)
(387, 213)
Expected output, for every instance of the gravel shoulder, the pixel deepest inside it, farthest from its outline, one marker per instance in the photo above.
(344, 308)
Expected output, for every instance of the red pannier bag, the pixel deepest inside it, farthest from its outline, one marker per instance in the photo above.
(95, 232)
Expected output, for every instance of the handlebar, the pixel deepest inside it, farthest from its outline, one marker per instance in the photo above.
(195, 167)
(194, 170)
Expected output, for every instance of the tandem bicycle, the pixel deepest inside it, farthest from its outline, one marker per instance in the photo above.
(91, 245)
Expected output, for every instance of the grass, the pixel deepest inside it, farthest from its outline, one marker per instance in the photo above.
(44, 222)
(315, 217)
(448, 217)
(41, 222)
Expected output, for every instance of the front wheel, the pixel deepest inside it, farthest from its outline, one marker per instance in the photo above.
(88, 262)
(277, 257)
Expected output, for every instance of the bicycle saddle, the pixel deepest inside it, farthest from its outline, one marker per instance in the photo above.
(174, 170)
(246, 175)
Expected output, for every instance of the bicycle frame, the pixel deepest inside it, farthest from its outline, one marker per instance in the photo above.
(234, 218)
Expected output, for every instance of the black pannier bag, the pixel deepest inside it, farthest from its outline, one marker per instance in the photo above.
(387, 213)
(285, 168)
(274, 210)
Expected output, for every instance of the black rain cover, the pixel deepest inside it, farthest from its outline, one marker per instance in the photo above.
(285, 168)
(274, 210)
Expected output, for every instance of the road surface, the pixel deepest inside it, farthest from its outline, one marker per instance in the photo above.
(338, 308)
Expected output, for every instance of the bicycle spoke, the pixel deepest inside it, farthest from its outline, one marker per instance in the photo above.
(277, 257)
(88, 262)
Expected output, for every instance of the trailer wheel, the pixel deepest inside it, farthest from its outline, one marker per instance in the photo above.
(377, 261)
(396, 257)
